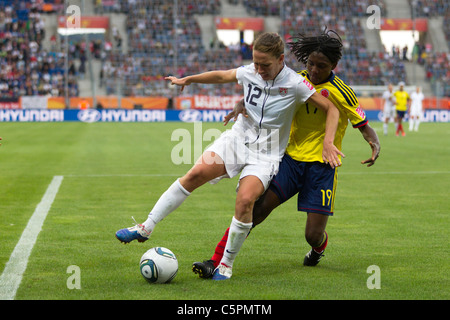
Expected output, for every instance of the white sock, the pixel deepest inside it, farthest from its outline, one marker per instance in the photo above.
(167, 203)
(417, 125)
(411, 124)
(236, 237)
(385, 128)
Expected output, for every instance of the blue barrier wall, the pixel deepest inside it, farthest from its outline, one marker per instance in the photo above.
(123, 115)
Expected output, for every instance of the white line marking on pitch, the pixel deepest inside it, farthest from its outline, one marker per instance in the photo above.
(17, 264)
(132, 175)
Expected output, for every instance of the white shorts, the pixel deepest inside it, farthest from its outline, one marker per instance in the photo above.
(238, 157)
(389, 112)
(416, 111)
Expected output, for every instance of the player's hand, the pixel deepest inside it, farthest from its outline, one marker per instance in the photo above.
(239, 108)
(179, 82)
(375, 154)
(330, 155)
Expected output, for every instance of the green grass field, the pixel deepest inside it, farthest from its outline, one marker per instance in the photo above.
(394, 215)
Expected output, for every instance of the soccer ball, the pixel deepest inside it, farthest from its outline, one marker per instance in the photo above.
(158, 265)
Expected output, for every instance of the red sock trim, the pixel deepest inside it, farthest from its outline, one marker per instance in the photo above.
(220, 248)
(323, 246)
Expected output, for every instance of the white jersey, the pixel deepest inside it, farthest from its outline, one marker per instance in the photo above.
(416, 102)
(389, 105)
(255, 145)
(389, 100)
(271, 106)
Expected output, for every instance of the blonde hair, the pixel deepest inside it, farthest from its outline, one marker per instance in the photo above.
(270, 43)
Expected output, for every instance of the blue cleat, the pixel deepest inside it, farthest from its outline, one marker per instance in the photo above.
(138, 232)
(222, 272)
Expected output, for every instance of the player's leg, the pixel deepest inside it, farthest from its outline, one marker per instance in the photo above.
(316, 236)
(416, 127)
(401, 115)
(203, 171)
(397, 124)
(411, 122)
(250, 189)
(386, 121)
(261, 210)
(282, 187)
(317, 199)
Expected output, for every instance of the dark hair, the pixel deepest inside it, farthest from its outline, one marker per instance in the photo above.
(330, 45)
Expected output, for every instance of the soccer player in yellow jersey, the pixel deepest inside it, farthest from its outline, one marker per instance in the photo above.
(401, 105)
(302, 169)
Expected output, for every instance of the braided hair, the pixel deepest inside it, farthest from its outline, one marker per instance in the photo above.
(328, 43)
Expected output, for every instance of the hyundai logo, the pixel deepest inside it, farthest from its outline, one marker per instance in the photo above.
(190, 115)
(89, 115)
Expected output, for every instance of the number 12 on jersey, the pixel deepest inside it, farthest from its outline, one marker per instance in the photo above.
(257, 93)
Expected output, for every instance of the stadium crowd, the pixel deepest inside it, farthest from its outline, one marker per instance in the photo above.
(429, 8)
(27, 68)
(357, 65)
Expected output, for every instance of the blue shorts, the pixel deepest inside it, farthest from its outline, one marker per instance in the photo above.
(315, 183)
(401, 114)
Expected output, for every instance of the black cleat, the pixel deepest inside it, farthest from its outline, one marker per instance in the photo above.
(204, 269)
(312, 258)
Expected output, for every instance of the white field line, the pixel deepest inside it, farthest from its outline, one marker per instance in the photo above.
(132, 175)
(17, 264)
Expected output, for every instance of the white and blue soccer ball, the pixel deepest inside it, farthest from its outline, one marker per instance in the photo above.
(158, 265)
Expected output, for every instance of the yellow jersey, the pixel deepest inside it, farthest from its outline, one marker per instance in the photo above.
(308, 127)
(402, 98)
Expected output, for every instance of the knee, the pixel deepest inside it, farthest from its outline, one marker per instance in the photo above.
(314, 237)
(193, 179)
(244, 208)
(245, 202)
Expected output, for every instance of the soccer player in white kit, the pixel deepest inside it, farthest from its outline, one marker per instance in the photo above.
(254, 146)
(415, 110)
(389, 107)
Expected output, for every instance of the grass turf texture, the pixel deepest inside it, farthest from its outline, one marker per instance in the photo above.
(393, 215)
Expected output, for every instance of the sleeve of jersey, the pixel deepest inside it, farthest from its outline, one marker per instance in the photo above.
(241, 73)
(304, 90)
(356, 114)
(359, 119)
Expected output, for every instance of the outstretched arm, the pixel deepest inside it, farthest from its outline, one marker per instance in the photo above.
(218, 76)
(372, 138)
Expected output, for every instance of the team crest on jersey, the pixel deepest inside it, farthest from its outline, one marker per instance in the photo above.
(283, 91)
(325, 93)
